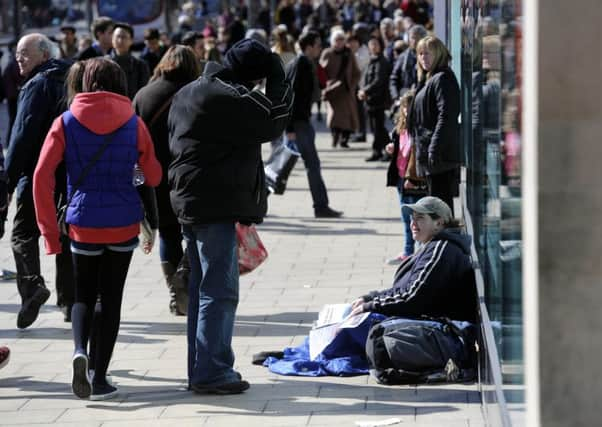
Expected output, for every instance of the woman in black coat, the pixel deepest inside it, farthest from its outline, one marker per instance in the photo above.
(433, 120)
(177, 68)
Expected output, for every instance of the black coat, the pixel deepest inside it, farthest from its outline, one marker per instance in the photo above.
(304, 86)
(433, 123)
(216, 128)
(375, 83)
(41, 100)
(136, 72)
(148, 102)
(403, 76)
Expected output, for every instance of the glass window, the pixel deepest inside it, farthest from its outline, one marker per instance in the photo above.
(491, 99)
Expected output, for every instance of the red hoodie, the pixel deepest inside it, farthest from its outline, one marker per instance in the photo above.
(101, 113)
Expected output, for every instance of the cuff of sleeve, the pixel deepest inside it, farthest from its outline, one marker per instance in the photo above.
(52, 244)
(369, 297)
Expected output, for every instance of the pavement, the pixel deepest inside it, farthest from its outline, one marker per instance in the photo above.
(311, 262)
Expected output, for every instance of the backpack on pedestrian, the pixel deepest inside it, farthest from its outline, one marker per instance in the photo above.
(422, 350)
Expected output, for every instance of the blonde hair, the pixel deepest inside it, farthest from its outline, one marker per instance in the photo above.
(441, 55)
(404, 102)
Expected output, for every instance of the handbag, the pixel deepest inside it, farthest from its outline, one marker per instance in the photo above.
(412, 176)
(251, 252)
(61, 214)
(278, 168)
(335, 88)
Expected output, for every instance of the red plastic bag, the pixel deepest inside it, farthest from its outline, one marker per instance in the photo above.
(251, 252)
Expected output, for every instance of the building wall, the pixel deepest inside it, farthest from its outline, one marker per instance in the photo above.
(569, 148)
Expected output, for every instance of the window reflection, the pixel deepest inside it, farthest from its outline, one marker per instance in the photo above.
(491, 83)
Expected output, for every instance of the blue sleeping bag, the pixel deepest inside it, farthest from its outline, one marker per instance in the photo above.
(344, 356)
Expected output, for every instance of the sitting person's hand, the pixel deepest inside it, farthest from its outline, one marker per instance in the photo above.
(357, 310)
(357, 307)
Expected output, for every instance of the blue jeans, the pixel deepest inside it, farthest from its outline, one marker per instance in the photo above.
(213, 298)
(306, 142)
(406, 218)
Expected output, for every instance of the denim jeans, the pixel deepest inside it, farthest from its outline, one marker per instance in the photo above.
(406, 218)
(213, 298)
(306, 142)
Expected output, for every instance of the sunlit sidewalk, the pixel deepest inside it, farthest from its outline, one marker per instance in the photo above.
(311, 263)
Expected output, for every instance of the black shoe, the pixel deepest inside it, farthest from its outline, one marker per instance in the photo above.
(228, 388)
(80, 383)
(103, 392)
(327, 213)
(66, 309)
(344, 144)
(374, 157)
(259, 358)
(31, 307)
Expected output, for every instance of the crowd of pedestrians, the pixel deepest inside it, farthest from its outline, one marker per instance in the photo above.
(91, 116)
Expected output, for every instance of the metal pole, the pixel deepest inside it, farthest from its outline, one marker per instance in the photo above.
(17, 19)
(89, 14)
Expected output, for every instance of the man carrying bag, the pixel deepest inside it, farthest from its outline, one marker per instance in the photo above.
(300, 128)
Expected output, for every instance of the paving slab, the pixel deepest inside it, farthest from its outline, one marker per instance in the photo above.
(311, 262)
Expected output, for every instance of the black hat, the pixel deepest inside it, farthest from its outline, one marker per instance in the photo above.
(249, 60)
(68, 28)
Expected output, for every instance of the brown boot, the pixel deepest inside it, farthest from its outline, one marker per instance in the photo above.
(169, 271)
(180, 283)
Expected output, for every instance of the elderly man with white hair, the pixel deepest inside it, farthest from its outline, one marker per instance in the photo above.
(40, 101)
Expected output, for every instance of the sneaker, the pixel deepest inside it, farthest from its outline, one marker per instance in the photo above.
(108, 377)
(4, 356)
(327, 213)
(227, 388)
(80, 384)
(103, 392)
(31, 307)
(6, 275)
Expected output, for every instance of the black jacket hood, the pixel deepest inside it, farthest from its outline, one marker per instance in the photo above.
(457, 238)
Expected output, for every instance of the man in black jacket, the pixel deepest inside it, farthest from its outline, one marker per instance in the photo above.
(217, 124)
(40, 101)
(376, 95)
(102, 28)
(403, 77)
(300, 128)
(135, 69)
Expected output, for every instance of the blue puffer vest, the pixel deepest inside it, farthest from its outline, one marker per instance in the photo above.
(107, 197)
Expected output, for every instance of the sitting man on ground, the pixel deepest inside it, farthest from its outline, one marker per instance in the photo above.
(436, 281)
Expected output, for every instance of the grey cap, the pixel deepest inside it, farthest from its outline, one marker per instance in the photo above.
(431, 205)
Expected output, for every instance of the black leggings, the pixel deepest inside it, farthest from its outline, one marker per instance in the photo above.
(102, 275)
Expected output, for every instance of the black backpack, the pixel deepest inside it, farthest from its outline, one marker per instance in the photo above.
(423, 350)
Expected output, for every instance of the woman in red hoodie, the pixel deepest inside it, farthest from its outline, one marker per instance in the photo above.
(101, 140)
